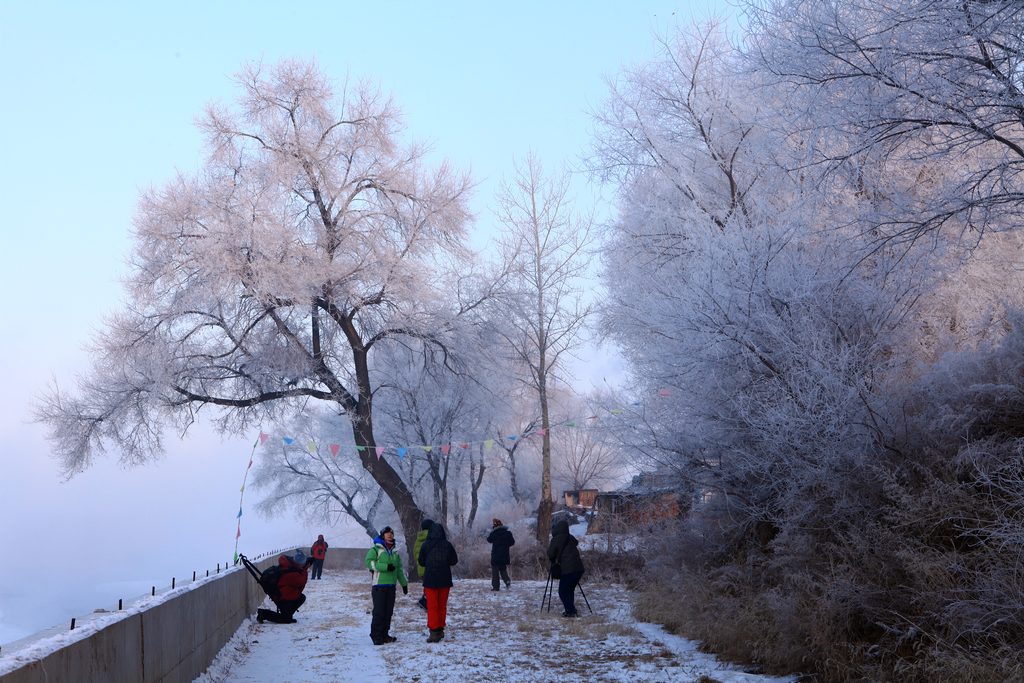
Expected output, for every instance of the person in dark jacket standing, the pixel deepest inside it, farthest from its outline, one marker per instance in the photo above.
(564, 551)
(501, 540)
(318, 551)
(437, 556)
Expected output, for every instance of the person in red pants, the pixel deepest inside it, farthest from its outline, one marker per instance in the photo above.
(437, 556)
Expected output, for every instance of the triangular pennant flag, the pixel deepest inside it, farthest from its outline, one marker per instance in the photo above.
(427, 449)
(334, 449)
(512, 437)
(238, 532)
(464, 445)
(360, 448)
(236, 557)
(250, 464)
(635, 403)
(664, 392)
(311, 447)
(616, 411)
(445, 448)
(380, 451)
(488, 443)
(239, 512)
(592, 417)
(288, 441)
(264, 437)
(542, 432)
(243, 488)
(401, 451)
(570, 423)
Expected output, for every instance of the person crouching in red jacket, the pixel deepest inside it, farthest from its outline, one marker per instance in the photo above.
(287, 594)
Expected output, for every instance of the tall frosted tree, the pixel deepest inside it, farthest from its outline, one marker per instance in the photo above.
(266, 279)
(545, 249)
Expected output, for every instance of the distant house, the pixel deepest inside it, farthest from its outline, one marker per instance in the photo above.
(649, 497)
(580, 500)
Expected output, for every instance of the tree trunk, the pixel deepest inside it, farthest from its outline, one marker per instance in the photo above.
(546, 505)
(516, 495)
(389, 480)
(476, 478)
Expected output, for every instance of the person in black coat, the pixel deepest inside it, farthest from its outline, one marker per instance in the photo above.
(437, 556)
(564, 552)
(501, 540)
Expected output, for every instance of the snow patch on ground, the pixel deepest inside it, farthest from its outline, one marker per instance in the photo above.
(491, 636)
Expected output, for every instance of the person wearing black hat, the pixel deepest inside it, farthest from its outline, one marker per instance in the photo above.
(501, 540)
(385, 565)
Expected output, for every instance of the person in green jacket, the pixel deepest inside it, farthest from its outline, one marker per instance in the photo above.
(385, 565)
(420, 537)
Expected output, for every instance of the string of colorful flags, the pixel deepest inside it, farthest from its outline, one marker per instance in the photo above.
(445, 449)
(241, 495)
(405, 451)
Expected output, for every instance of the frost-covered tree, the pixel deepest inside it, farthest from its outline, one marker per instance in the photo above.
(778, 336)
(320, 482)
(585, 459)
(545, 248)
(267, 279)
(904, 83)
(443, 412)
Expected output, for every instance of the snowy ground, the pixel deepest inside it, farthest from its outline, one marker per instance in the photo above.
(490, 637)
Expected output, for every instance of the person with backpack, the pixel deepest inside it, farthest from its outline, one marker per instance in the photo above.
(420, 538)
(501, 540)
(385, 565)
(437, 556)
(318, 551)
(284, 583)
(566, 565)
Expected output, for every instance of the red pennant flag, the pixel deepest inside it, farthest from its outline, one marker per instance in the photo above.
(445, 448)
(264, 437)
(239, 531)
(664, 392)
(380, 451)
(542, 432)
(334, 450)
(463, 445)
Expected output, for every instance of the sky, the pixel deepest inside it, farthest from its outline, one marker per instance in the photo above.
(100, 101)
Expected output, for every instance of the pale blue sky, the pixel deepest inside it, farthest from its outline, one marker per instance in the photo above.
(99, 102)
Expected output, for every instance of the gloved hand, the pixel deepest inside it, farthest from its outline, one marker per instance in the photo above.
(405, 590)
(389, 567)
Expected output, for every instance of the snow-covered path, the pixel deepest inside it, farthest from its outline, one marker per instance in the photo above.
(490, 637)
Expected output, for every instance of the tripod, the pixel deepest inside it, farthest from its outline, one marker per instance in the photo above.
(549, 590)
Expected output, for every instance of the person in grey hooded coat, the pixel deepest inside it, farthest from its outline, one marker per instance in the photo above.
(564, 552)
